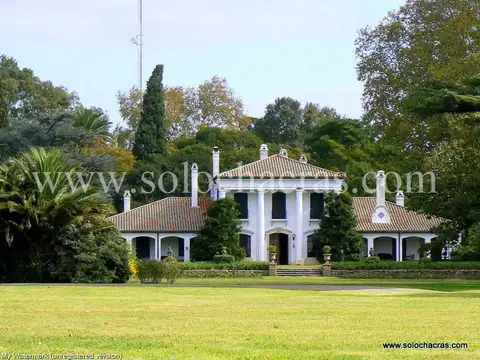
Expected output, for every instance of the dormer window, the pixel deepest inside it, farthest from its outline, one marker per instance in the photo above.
(242, 201)
(279, 205)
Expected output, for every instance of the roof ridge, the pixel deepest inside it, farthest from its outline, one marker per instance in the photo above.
(311, 166)
(253, 162)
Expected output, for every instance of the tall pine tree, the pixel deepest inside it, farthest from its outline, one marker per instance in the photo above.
(151, 135)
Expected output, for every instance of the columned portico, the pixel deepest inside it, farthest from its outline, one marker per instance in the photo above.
(261, 225)
(299, 226)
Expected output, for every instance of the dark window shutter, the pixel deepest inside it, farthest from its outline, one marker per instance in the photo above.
(181, 248)
(242, 200)
(279, 205)
(246, 243)
(317, 205)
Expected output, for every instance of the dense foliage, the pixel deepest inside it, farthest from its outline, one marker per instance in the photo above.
(392, 265)
(219, 234)
(151, 135)
(337, 229)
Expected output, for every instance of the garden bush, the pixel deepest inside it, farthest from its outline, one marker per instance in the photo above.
(391, 265)
(150, 271)
(223, 259)
(237, 265)
(172, 268)
(218, 273)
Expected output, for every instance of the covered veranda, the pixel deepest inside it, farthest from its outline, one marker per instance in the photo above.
(397, 246)
(156, 245)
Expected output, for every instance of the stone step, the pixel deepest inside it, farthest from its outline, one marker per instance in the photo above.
(298, 272)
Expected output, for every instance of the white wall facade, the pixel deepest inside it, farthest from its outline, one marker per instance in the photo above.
(297, 234)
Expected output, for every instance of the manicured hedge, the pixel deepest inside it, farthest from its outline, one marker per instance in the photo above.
(391, 265)
(223, 273)
(238, 265)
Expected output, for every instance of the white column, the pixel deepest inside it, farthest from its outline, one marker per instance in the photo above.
(398, 254)
(299, 226)
(156, 256)
(186, 249)
(370, 242)
(160, 248)
(221, 193)
(261, 225)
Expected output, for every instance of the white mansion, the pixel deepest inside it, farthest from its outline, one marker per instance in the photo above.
(280, 201)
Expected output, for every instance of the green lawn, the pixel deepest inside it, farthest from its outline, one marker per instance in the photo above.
(425, 284)
(150, 322)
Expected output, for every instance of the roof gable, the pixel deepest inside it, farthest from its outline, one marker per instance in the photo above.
(402, 219)
(278, 166)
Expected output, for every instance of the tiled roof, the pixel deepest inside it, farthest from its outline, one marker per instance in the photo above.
(402, 219)
(172, 214)
(278, 166)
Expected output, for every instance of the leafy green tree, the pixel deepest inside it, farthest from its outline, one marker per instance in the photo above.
(314, 115)
(25, 96)
(281, 123)
(337, 229)
(151, 135)
(423, 40)
(220, 230)
(455, 161)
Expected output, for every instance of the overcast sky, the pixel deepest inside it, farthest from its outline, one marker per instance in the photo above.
(265, 48)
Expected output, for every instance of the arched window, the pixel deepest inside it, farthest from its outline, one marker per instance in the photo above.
(242, 200)
(279, 205)
(246, 243)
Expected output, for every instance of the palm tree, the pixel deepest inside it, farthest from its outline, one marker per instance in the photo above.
(92, 122)
(41, 193)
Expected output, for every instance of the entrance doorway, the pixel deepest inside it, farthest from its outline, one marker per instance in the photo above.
(281, 242)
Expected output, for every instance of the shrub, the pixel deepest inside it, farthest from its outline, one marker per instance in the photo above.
(171, 267)
(223, 273)
(372, 259)
(223, 258)
(132, 265)
(327, 249)
(422, 264)
(151, 271)
(92, 257)
(238, 265)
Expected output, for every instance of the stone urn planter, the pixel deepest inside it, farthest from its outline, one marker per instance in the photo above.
(272, 250)
(327, 254)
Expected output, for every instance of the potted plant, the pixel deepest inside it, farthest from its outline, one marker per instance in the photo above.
(272, 249)
(327, 253)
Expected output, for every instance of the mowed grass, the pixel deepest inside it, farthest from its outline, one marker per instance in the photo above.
(448, 285)
(152, 322)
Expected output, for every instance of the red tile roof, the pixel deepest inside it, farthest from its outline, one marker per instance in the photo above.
(172, 214)
(402, 219)
(278, 166)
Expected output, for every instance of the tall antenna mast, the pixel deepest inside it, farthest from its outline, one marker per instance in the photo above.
(140, 60)
(138, 41)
